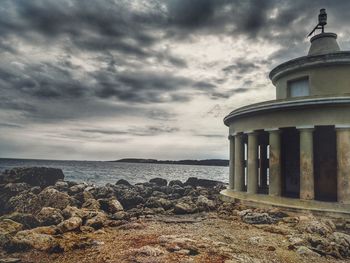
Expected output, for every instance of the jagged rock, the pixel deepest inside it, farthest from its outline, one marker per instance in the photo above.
(61, 186)
(25, 202)
(27, 220)
(91, 204)
(194, 182)
(75, 189)
(120, 215)
(97, 221)
(9, 190)
(159, 181)
(313, 226)
(70, 224)
(123, 182)
(185, 208)
(36, 176)
(71, 211)
(49, 216)
(50, 197)
(103, 192)
(27, 239)
(83, 196)
(8, 228)
(148, 251)
(305, 251)
(154, 202)
(129, 198)
(343, 241)
(204, 203)
(175, 182)
(47, 230)
(110, 205)
(257, 218)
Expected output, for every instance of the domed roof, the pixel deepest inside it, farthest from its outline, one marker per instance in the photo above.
(323, 43)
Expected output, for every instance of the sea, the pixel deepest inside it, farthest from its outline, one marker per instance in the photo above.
(101, 173)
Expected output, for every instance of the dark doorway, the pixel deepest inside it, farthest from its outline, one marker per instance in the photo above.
(290, 148)
(325, 163)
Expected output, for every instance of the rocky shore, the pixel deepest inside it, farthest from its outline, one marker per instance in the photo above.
(44, 218)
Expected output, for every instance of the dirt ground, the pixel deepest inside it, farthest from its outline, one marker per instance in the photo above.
(188, 238)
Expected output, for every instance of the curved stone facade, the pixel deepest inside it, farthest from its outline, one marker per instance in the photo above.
(297, 147)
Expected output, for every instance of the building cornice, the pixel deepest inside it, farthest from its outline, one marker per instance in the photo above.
(275, 105)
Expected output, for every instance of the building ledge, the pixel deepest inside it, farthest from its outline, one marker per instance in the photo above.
(319, 208)
(273, 105)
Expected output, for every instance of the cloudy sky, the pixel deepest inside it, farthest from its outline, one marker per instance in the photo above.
(107, 79)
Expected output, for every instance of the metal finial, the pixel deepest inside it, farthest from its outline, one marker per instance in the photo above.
(322, 21)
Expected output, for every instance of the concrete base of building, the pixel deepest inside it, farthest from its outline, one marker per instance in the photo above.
(317, 208)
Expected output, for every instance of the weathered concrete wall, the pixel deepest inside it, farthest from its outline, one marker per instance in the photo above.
(323, 81)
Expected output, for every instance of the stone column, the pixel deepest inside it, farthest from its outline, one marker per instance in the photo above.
(252, 176)
(239, 163)
(306, 163)
(232, 162)
(275, 186)
(343, 159)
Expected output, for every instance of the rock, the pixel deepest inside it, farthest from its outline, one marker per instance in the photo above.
(70, 224)
(49, 216)
(175, 182)
(194, 182)
(297, 241)
(77, 188)
(123, 182)
(154, 202)
(47, 230)
(256, 241)
(10, 260)
(27, 220)
(110, 205)
(184, 208)
(50, 197)
(343, 241)
(27, 239)
(91, 204)
(8, 228)
(204, 203)
(305, 251)
(257, 218)
(129, 198)
(148, 251)
(71, 211)
(244, 212)
(97, 221)
(159, 181)
(36, 176)
(61, 186)
(121, 215)
(313, 226)
(25, 202)
(103, 192)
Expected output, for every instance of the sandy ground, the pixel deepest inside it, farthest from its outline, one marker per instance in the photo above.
(189, 238)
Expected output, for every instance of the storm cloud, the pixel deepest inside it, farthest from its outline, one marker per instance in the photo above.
(88, 77)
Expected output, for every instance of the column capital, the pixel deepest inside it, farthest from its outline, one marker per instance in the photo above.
(305, 127)
(272, 130)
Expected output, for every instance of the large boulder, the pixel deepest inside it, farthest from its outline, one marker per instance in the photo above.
(25, 202)
(204, 203)
(194, 182)
(111, 205)
(70, 224)
(159, 181)
(27, 239)
(185, 207)
(9, 190)
(50, 197)
(8, 228)
(155, 202)
(27, 220)
(257, 218)
(36, 176)
(49, 216)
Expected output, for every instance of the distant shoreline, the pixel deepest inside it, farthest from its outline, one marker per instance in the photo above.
(207, 162)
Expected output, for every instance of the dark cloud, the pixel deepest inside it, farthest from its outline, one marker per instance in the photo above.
(143, 131)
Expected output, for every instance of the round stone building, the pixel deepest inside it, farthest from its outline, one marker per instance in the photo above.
(294, 152)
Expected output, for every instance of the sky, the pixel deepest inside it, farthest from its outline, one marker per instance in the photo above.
(110, 79)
